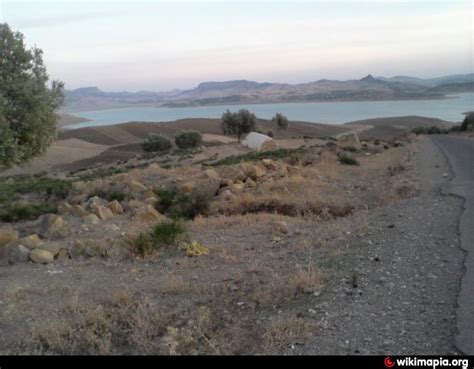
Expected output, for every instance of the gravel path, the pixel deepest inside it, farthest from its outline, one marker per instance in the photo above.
(396, 291)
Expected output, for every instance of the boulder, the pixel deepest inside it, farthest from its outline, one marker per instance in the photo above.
(30, 242)
(147, 213)
(63, 255)
(115, 207)
(92, 219)
(51, 226)
(253, 171)
(269, 164)
(52, 247)
(136, 187)
(349, 139)
(207, 184)
(77, 249)
(18, 254)
(95, 201)
(64, 208)
(7, 236)
(232, 173)
(250, 183)
(103, 212)
(41, 256)
(79, 211)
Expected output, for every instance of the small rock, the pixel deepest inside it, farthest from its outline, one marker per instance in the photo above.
(147, 213)
(92, 219)
(445, 175)
(79, 211)
(281, 227)
(77, 249)
(41, 256)
(18, 254)
(64, 208)
(7, 236)
(136, 187)
(30, 242)
(52, 247)
(103, 212)
(63, 255)
(115, 207)
(269, 164)
(51, 226)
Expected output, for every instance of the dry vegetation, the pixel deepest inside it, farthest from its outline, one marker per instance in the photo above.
(274, 241)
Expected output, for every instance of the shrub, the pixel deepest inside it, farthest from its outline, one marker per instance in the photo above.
(468, 122)
(110, 195)
(188, 139)
(141, 245)
(347, 160)
(281, 122)
(257, 156)
(19, 211)
(166, 233)
(270, 134)
(179, 205)
(156, 143)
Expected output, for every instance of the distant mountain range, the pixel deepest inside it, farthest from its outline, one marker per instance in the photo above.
(250, 92)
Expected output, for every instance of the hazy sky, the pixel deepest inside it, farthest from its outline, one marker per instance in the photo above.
(158, 45)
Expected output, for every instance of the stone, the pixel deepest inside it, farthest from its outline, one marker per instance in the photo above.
(269, 164)
(281, 227)
(30, 242)
(64, 208)
(115, 207)
(103, 212)
(51, 226)
(52, 247)
(79, 211)
(147, 213)
(41, 256)
(133, 204)
(112, 227)
(226, 182)
(63, 255)
(237, 187)
(91, 219)
(77, 249)
(250, 183)
(136, 187)
(7, 236)
(95, 201)
(232, 173)
(206, 185)
(253, 171)
(226, 195)
(349, 139)
(18, 254)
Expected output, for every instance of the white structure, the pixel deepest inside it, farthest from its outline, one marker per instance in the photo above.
(259, 142)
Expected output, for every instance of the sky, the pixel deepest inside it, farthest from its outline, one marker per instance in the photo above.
(161, 45)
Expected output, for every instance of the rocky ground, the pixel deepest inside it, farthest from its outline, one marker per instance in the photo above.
(295, 253)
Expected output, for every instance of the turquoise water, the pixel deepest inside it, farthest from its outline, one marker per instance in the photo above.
(333, 112)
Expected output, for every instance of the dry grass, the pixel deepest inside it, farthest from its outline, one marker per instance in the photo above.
(284, 332)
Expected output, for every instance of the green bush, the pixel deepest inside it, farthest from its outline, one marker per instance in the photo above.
(238, 123)
(110, 195)
(178, 205)
(188, 139)
(156, 143)
(257, 156)
(347, 160)
(166, 233)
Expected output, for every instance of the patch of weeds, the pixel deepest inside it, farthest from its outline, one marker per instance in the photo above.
(102, 173)
(352, 148)
(257, 156)
(166, 233)
(43, 195)
(179, 205)
(110, 195)
(141, 244)
(14, 212)
(396, 169)
(347, 160)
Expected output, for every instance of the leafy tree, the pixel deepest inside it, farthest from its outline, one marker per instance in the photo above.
(281, 122)
(468, 122)
(238, 123)
(27, 106)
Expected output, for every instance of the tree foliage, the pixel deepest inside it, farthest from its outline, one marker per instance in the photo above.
(468, 122)
(27, 105)
(238, 123)
(281, 122)
(188, 139)
(156, 143)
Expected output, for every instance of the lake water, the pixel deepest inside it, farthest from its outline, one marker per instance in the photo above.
(332, 112)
